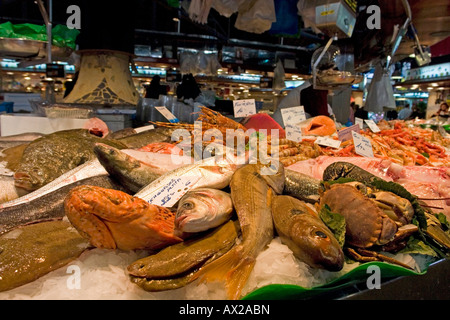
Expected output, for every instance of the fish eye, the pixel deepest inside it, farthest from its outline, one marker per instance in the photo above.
(321, 234)
(188, 205)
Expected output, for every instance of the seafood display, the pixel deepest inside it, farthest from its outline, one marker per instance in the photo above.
(29, 252)
(177, 265)
(305, 234)
(203, 209)
(208, 222)
(318, 126)
(52, 155)
(113, 219)
(46, 205)
(251, 191)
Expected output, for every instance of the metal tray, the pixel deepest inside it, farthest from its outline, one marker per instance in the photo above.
(19, 48)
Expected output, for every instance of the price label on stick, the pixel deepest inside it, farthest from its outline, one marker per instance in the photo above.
(328, 142)
(167, 114)
(294, 133)
(294, 115)
(346, 133)
(363, 146)
(244, 108)
(372, 125)
(359, 122)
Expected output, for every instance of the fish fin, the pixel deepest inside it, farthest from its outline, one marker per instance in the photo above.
(233, 268)
(238, 276)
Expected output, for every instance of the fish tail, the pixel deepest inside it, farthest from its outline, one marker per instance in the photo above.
(234, 268)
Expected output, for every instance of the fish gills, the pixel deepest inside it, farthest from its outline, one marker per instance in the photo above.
(251, 193)
(305, 234)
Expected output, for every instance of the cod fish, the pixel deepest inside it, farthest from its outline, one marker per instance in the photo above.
(177, 265)
(46, 206)
(301, 186)
(207, 173)
(305, 234)
(49, 157)
(203, 209)
(29, 252)
(252, 189)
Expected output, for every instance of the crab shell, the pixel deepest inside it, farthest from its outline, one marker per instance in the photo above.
(366, 223)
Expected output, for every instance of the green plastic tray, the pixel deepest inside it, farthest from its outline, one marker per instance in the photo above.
(355, 276)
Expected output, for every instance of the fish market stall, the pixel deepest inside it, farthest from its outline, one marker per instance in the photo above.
(139, 218)
(204, 203)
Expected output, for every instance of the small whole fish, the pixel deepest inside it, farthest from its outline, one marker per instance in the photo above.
(143, 138)
(175, 266)
(203, 209)
(45, 206)
(301, 186)
(252, 189)
(113, 219)
(52, 155)
(207, 173)
(29, 252)
(130, 172)
(305, 234)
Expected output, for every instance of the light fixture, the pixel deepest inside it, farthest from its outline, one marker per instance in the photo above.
(434, 84)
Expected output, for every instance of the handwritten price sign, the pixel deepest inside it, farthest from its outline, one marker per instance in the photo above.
(170, 193)
(244, 108)
(294, 115)
(363, 147)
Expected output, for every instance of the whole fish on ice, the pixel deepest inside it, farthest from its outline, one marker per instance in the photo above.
(203, 209)
(252, 189)
(305, 234)
(131, 172)
(208, 173)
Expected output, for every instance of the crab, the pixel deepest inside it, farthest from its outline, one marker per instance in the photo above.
(372, 218)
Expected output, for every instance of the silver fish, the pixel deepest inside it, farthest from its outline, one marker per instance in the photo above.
(89, 169)
(130, 170)
(48, 206)
(203, 209)
(208, 173)
(301, 186)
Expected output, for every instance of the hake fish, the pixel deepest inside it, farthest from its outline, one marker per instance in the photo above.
(252, 189)
(305, 234)
(202, 209)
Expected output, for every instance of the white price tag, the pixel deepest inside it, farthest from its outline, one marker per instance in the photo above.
(359, 122)
(170, 193)
(244, 108)
(293, 115)
(294, 133)
(167, 114)
(328, 142)
(363, 146)
(346, 133)
(372, 125)
(144, 128)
